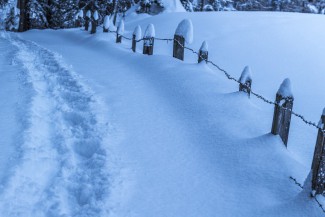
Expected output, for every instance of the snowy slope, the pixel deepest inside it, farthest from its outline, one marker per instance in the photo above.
(171, 138)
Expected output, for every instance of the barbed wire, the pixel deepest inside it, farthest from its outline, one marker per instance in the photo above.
(228, 75)
(314, 197)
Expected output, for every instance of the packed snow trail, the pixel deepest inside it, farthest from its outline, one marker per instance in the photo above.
(62, 168)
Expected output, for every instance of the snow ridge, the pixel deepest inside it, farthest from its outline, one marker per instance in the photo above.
(63, 170)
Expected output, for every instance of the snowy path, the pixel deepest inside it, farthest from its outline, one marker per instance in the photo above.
(62, 166)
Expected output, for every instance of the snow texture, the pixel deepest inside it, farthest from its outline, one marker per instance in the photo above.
(81, 14)
(137, 32)
(150, 31)
(204, 47)
(96, 17)
(120, 28)
(88, 14)
(285, 89)
(246, 75)
(185, 29)
(112, 27)
(106, 22)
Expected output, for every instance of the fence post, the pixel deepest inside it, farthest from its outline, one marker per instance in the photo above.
(318, 165)
(246, 81)
(183, 33)
(94, 23)
(106, 23)
(178, 48)
(203, 52)
(135, 37)
(87, 19)
(282, 111)
(119, 32)
(149, 39)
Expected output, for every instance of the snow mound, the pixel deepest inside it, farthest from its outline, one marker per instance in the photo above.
(204, 47)
(285, 89)
(150, 31)
(112, 27)
(120, 29)
(106, 22)
(185, 29)
(137, 32)
(246, 75)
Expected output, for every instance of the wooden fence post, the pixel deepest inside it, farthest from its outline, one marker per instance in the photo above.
(246, 81)
(183, 33)
(119, 32)
(178, 48)
(87, 20)
(149, 39)
(282, 111)
(135, 37)
(203, 52)
(318, 165)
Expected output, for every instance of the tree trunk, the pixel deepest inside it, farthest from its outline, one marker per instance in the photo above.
(24, 15)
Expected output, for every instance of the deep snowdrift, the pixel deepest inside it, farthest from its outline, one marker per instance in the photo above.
(180, 140)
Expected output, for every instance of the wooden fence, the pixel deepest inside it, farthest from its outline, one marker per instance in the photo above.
(283, 104)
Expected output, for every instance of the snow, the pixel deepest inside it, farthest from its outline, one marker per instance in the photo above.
(112, 27)
(96, 17)
(88, 14)
(246, 75)
(150, 31)
(185, 29)
(81, 14)
(204, 47)
(120, 29)
(173, 6)
(116, 133)
(106, 22)
(285, 89)
(137, 32)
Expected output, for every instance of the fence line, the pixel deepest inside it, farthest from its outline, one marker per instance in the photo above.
(282, 105)
(229, 77)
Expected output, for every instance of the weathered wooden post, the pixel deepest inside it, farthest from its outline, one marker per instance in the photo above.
(87, 20)
(149, 39)
(318, 165)
(119, 32)
(203, 52)
(106, 23)
(282, 111)
(183, 33)
(135, 37)
(94, 23)
(246, 81)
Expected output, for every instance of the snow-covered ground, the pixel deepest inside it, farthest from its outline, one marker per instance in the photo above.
(91, 129)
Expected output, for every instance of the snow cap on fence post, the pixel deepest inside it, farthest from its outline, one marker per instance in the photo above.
(79, 18)
(137, 34)
(318, 164)
(81, 14)
(183, 33)
(185, 29)
(282, 111)
(245, 80)
(285, 89)
(149, 39)
(203, 52)
(106, 24)
(120, 31)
